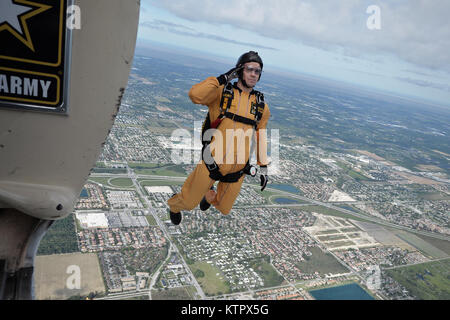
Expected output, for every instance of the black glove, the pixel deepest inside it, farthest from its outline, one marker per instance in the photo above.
(264, 177)
(230, 75)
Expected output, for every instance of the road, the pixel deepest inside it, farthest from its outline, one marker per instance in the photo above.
(163, 228)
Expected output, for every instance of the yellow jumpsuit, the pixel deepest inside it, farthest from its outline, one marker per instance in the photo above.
(233, 157)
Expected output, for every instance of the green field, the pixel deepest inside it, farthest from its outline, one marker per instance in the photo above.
(144, 165)
(357, 176)
(212, 282)
(101, 180)
(424, 246)
(121, 182)
(267, 272)
(267, 194)
(426, 281)
(126, 183)
(61, 237)
(151, 220)
(321, 262)
(352, 173)
(172, 294)
(158, 169)
(150, 183)
(442, 245)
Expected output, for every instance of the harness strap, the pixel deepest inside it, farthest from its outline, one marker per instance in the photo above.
(227, 98)
(225, 103)
(260, 105)
(215, 174)
(239, 118)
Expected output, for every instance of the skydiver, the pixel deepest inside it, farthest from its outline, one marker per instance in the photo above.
(237, 107)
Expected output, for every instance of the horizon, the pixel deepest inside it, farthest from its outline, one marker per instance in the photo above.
(172, 49)
(406, 55)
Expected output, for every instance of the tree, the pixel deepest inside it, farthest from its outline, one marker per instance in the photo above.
(199, 273)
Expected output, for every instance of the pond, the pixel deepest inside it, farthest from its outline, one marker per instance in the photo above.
(351, 291)
(284, 187)
(84, 193)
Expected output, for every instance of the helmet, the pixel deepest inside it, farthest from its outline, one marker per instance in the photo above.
(250, 56)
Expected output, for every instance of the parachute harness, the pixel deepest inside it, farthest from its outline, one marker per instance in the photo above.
(225, 104)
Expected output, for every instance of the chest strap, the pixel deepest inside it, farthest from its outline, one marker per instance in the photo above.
(225, 104)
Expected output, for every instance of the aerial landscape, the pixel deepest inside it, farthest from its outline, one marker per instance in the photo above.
(358, 205)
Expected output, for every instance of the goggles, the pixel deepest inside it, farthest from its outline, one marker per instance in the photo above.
(255, 70)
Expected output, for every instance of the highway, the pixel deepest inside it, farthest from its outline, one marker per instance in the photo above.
(367, 217)
(163, 228)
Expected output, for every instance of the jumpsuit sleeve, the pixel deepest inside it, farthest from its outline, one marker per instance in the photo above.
(206, 92)
(261, 138)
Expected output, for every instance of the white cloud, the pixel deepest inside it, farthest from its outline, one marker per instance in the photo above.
(183, 30)
(417, 31)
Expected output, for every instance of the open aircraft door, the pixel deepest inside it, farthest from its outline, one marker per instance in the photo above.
(60, 91)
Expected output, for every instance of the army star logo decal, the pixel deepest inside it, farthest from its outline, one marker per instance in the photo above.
(35, 55)
(14, 15)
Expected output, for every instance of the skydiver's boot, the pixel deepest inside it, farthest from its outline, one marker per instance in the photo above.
(204, 205)
(175, 217)
(210, 195)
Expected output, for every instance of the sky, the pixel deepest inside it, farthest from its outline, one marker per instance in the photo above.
(400, 47)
